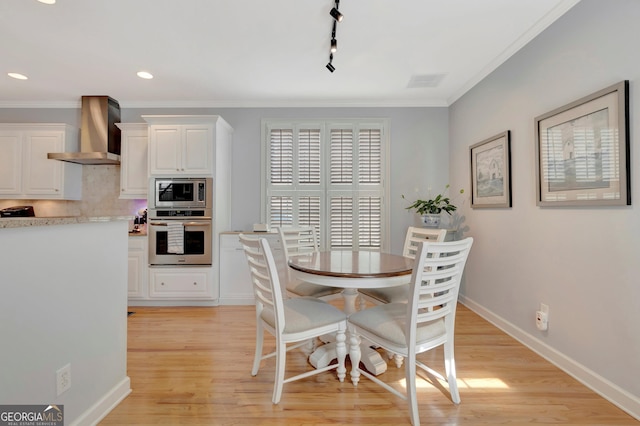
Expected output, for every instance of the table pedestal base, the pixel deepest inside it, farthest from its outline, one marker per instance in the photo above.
(371, 359)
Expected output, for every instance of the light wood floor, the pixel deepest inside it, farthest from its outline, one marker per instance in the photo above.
(192, 366)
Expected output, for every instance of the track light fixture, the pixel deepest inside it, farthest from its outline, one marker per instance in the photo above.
(334, 42)
(337, 16)
(330, 66)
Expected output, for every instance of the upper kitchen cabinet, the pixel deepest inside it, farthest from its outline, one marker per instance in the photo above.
(25, 170)
(184, 144)
(134, 160)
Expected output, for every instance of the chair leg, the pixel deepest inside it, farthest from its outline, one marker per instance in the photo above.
(363, 302)
(412, 398)
(258, 354)
(450, 371)
(355, 355)
(341, 352)
(398, 360)
(281, 359)
(309, 347)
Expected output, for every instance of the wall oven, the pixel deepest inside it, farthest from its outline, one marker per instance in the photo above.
(179, 241)
(179, 221)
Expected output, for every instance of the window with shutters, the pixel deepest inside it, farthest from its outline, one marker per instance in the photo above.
(329, 174)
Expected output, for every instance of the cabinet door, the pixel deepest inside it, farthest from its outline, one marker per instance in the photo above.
(165, 150)
(10, 163)
(235, 279)
(137, 276)
(197, 149)
(133, 163)
(41, 175)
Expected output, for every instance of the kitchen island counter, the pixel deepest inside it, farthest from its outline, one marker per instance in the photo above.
(20, 222)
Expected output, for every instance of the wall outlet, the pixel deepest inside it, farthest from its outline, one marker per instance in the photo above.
(542, 317)
(63, 379)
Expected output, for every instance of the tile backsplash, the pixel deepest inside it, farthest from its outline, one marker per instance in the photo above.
(100, 191)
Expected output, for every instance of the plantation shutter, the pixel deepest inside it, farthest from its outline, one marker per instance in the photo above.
(329, 175)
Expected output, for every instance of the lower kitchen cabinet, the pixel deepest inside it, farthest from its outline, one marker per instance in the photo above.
(180, 283)
(138, 267)
(235, 280)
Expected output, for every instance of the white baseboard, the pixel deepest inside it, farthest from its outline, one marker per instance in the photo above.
(603, 387)
(237, 300)
(108, 402)
(132, 303)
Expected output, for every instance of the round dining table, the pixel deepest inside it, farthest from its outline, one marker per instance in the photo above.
(351, 270)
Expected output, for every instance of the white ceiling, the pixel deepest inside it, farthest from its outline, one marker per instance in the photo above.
(252, 53)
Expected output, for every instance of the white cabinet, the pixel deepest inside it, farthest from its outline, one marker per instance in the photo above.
(133, 160)
(235, 280)
(25, 170)
(181, 145)
(180, 283)
(138, 267)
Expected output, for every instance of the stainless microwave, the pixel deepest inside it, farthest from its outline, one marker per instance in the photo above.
(174, 193)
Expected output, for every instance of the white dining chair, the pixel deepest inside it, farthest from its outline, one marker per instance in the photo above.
(292, 321)
(302, 241)
(425, 322)
(412, 242)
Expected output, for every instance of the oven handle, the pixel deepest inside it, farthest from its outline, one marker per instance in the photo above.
(203, 223)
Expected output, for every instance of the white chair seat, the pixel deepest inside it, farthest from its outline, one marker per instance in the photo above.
(389, 323)
(304, 313)
(399, 294)
(305, 289)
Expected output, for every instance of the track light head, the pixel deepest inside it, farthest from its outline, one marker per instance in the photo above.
(334, 45)
(330, 66)
(336, 14)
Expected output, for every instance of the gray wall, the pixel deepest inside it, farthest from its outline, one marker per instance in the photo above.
(582, 262)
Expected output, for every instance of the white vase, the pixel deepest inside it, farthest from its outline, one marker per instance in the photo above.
(431, 220)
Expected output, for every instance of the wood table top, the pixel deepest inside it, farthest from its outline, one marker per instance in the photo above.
(353, 264)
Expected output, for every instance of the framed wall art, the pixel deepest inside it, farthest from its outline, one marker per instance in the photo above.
(491, 172)
(582, 151)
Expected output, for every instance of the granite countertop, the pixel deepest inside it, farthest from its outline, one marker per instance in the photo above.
(21, 222)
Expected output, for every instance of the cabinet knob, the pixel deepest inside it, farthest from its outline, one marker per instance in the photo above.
(161, 283)
(195, 283)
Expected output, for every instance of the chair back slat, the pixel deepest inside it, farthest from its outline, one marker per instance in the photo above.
(298, 240)
(415, 236)
(435, 283)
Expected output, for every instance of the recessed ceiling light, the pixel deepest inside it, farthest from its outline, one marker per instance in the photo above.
(47, 1)
(17, 76)
(145, 75)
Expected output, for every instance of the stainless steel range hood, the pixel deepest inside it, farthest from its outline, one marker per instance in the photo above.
(99, 135)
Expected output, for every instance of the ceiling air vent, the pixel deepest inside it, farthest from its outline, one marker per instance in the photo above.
(425, 80)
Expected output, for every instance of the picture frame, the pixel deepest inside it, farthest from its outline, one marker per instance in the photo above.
(491, 172)
(582, 151)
